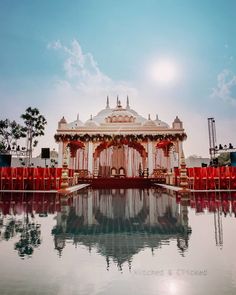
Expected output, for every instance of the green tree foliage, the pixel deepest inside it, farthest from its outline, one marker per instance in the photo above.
(10, 133)
(34, 126)
(224, 159)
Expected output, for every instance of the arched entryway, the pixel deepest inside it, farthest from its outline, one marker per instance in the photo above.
(119, 158)
(76, 148)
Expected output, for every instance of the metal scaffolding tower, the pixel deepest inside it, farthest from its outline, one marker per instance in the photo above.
(218, 228)
(212, 137)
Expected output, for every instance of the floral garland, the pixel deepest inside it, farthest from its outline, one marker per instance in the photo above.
(164, 144)
(134, 144)
(129, 137)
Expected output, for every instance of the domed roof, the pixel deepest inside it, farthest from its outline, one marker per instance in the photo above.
(91, 123)
(106, 112)
(100, 117)
(149, 123)
(139, 118)
(161, 123)
(177, 120)
(75, 124)
(63, 120)
(119, 111)
(120, 114)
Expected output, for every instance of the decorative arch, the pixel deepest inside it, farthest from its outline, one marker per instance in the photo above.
(74, 146)
(165, 145)
(133, 144)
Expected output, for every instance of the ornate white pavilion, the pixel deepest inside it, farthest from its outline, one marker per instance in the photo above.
(118, 142)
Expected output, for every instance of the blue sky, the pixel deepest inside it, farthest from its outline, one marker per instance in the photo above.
(66, 56)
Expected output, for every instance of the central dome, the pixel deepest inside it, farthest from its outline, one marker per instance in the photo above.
(120, 115)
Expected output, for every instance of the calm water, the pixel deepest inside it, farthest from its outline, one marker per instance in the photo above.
(118, 242)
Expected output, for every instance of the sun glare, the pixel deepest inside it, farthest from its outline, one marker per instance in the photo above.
(164, 71)
(173, 288)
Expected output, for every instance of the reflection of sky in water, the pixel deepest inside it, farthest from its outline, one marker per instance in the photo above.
(120, 242)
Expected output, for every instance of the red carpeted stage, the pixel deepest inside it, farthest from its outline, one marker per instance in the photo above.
(126, 182)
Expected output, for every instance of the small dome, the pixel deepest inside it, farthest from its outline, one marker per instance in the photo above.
(91, 123)
(63, 120)
(149, 123)
(160, 123)
(177, 120)
(62, 124)
(75, 124)
(177, 123)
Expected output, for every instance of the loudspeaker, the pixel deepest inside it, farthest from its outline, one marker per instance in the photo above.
(45, 153)
(233, 158)
(204, 165)
(5, 160)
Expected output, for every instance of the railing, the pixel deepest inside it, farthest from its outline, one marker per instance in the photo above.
(209, 178)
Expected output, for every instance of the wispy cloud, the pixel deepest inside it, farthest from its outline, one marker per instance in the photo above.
(226, 87)
(82, 73)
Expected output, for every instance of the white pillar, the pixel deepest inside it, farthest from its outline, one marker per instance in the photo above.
(60, 154)
(90, 208)
(180, 148)
(150, 157)
(129, 168)
(77, 159)
(90, 157)
(152, 210)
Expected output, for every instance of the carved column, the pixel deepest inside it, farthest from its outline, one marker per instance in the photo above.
(60, 154)
(90, 157)
(180, 149)
(150, 157)
(65, 172)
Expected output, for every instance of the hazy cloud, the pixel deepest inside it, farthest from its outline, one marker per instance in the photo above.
(226, 87)
(84, 76)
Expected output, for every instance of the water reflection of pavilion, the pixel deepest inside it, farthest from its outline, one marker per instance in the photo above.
(119, 223)
(116, 223)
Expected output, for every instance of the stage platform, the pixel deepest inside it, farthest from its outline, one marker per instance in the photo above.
(126, 182)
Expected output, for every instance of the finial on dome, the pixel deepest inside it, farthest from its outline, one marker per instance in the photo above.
(149, 117)
(157, 118)
(107, 106)
(91, 117)
(127, 103)
(117, 101)
(78, 117)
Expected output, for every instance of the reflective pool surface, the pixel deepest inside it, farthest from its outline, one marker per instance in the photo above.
(118, 242)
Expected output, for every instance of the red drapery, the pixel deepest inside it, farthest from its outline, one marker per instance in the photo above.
(74, 146)
(165, 145)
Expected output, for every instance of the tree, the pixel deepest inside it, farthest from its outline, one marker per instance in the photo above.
(35, 126)
(10, 133)
(224, 159)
